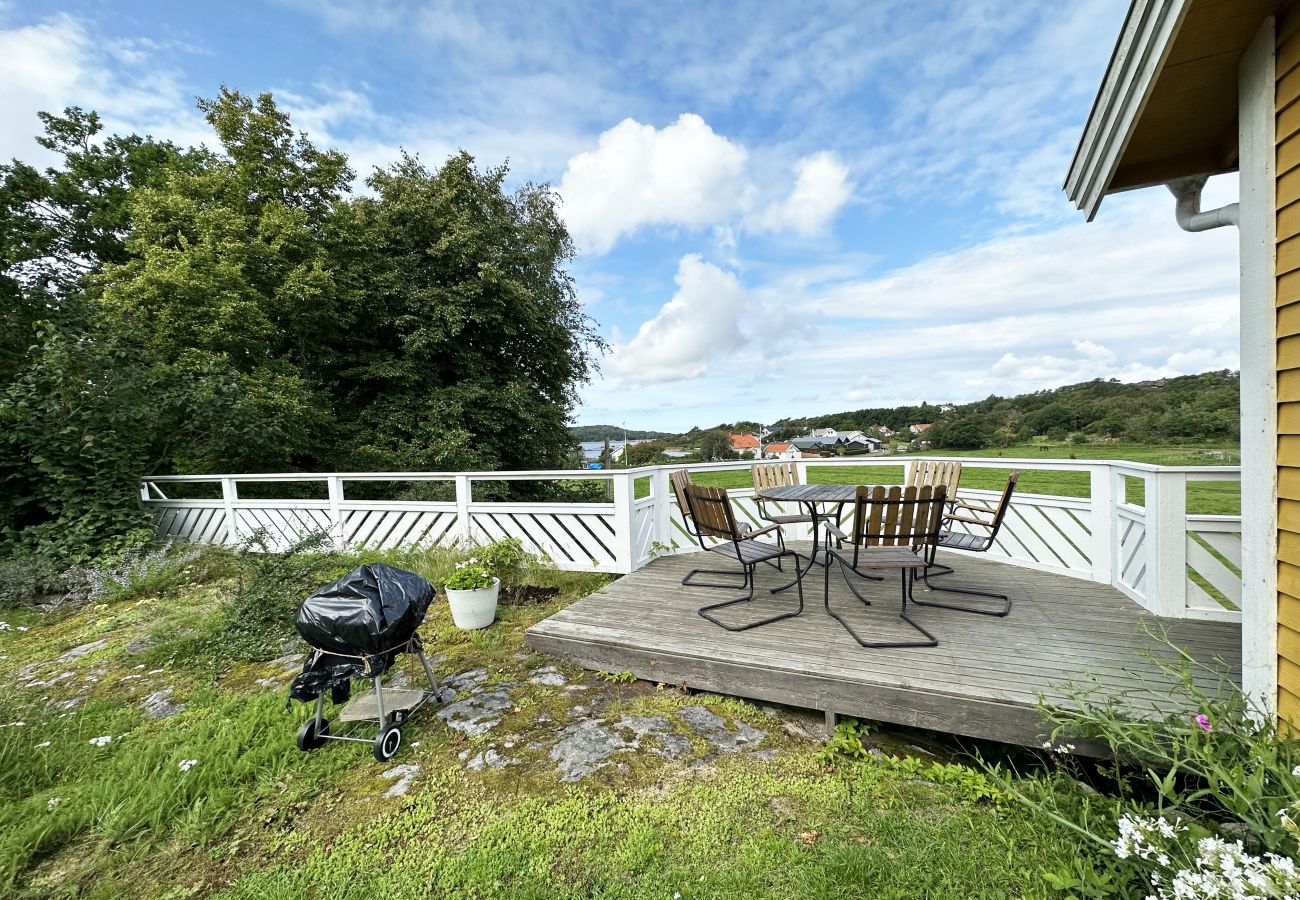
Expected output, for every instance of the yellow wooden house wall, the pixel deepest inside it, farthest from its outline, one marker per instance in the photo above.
(1288, 365)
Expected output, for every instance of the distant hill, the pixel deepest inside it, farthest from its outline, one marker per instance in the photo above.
(1201, 407)
(612, 432)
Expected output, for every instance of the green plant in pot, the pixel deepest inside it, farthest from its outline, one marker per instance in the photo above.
(472, 592)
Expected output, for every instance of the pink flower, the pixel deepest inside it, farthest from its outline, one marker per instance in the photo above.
(1204, 721)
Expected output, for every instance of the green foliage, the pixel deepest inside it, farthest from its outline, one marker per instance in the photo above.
(581, 433)
(507, 559)
(846, 742)
(257, 620)
(715, 445)
(1188, 408)
(1226, 773)
(169, 310)
(470, 575)
(623, 677)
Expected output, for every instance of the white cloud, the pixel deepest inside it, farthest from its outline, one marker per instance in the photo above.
(821, 187)
(57, 63)
(683, 174)
(693, 332)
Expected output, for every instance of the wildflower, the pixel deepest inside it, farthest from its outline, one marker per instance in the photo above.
(1047, 745)
(53, 802)
(102, 741)
(1203, 721)
(5, 626)
(1296, 772)
(186, 764)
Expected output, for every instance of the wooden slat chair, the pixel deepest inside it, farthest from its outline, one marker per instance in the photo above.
(932, 473)
(893, 528)
(713, 521)
(987, 524)
(781, 474)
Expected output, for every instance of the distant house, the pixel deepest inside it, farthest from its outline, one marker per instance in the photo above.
(946, 408)
(782, 451)
(746, 445)
(829, 440)
(919, 429)
(883, 430)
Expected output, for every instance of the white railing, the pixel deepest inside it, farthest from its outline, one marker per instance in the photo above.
(1173, 563)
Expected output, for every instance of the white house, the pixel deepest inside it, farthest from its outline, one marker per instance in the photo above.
(782, 451)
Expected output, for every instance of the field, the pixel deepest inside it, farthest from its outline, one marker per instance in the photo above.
(1209, 498)
(145, 751)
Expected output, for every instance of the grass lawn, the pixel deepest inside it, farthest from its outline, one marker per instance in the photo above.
(252, 817)
(1207, 497)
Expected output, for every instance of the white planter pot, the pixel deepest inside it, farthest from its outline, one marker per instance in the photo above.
(475, 608)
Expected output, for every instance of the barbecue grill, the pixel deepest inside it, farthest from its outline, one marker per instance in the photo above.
(357, 627)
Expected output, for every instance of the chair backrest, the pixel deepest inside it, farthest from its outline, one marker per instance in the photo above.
(1003, 504)
(898, 516)
(774, 474)
(679, 480)
(933, 472)
(711, 512)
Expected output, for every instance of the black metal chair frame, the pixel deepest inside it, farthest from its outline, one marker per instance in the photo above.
(969, 515)
(760, 502)
(711, 517)
(900, 533)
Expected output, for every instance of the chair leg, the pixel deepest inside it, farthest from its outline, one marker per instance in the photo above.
(1000, 610)
(743, 573)
(706, 611)
(907, 576)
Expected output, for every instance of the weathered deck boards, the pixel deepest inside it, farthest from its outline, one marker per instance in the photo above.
(981, 681)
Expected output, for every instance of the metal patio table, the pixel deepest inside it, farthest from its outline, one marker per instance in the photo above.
(815, 498)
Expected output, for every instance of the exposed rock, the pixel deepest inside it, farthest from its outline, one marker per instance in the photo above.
(78, 652)
(267, 682)
(548, 675)
(491, 759)
(585, 747)
(404, 774)
(463, 681)
(290, 662)
(139, 645)
(713, 728)
(770, 753)
(157, 706)
(672, 744)
(71, 702)
(478, 713)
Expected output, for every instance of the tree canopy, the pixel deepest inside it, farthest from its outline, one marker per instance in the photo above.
(165, 309)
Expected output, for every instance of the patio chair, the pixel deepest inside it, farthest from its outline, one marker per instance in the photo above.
(713, 519)
(893, 528)
(986, 524)
(777, 475)
(933, 472)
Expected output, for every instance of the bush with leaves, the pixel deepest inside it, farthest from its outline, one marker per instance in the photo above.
(1223, 774)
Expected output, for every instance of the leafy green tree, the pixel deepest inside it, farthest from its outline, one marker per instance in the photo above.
(961, 432)
(715, 445)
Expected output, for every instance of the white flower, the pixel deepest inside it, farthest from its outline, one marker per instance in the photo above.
(186, 764)
(102, 741)
(23, 628)
(1047, 745)
(5, 626)
(42, 745)
(53, 802)
(1296, 771)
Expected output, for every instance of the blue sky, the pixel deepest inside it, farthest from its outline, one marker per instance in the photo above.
(781, 209)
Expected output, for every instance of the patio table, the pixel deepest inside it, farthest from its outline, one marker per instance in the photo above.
(814, 498)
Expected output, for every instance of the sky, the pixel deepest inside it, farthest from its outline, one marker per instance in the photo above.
(780, 209)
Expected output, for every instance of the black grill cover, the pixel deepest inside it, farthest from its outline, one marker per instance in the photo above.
(367, 612)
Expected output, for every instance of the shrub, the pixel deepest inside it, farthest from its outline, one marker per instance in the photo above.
(1194, 793)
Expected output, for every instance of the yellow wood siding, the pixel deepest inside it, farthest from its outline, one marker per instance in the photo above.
(1287, 161)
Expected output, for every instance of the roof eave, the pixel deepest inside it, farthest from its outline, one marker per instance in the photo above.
(1140, 52)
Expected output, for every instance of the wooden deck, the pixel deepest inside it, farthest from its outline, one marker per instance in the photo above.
(981, 681)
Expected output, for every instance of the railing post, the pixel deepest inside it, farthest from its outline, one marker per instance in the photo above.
(661, 489)
(623, 531)
(1103, 523)
(229, 494)
(335, 484)
(464, 527)
(1166, 533)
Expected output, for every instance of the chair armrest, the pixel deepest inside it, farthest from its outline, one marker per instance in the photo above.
(757, 532)
(833, 530)
(968, 520)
